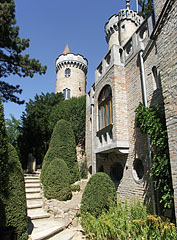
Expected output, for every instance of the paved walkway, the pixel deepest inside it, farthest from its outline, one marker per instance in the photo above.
(51, 219)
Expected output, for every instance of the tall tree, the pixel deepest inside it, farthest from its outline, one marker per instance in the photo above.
(11, 59)
(147, 7)
(13, 126)
(35, 132)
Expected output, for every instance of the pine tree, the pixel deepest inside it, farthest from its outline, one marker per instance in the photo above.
(11, 59)
(147, 7)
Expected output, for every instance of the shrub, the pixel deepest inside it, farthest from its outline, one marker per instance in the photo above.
(15, 200)
(84, 169)
(62, 145)
(57, 181)
(127, 221)
(98, 194)
(75, 187)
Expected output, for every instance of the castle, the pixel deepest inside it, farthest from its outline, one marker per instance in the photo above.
(139, 66)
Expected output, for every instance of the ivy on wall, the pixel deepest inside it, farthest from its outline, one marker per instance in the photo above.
(152, 121)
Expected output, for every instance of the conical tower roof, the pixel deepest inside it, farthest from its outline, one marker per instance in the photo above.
(67, 50)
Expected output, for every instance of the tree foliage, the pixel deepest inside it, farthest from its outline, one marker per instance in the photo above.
(13, 126)
(62, 145)
(11, 59)
(147, 7)
(57, 181)
(152, 121)
(72, 110)
(3, 151)
(35, 132)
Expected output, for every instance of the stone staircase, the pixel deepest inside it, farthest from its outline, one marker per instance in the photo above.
(42, 225)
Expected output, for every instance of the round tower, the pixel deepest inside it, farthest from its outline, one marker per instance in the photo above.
(120, 27)
(71, 72)
(128, 22)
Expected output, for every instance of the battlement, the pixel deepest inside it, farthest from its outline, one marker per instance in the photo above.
(122, 55)
(111, 26)
(71, 59)
(130, 15)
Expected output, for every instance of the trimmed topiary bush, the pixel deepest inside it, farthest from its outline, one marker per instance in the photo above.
(62, 145)
(99, 193)
(14, 200)
(57, 181)
(75, 188)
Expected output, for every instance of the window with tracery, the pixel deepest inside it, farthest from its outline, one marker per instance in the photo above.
(105, 107)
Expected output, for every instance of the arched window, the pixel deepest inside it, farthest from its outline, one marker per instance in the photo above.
(105, 107)
(67, 93)
(156, 78)
(67, 72)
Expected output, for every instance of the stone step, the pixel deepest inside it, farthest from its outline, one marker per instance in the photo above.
(39, 216)
(66, 234)
(32, 190)
(32, 185)
(46, 228)
(35, 211)
(32, 202)
(34, 206)
(34, 195)
(32, 180)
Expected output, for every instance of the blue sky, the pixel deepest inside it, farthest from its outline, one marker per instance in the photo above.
(50, 25)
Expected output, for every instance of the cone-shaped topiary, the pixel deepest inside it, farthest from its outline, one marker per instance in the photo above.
(14, 200)
(62, 145)
(57, 181)
(98, 194)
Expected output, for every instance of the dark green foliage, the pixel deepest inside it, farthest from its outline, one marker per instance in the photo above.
(35, 132)
(72, 110)
(83, 169)
(62, 145)
(57, 181)
(14, 200)
(147, 7)
(13, 126)
(152, 121)
(3, 150)
(99, 193)
(11, 47)
(75, 187)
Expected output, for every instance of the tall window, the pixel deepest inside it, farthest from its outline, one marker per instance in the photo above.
(105, 107)
(67, 93)
(67, 72)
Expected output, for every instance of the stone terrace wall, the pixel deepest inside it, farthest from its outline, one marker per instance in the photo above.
(167, 60)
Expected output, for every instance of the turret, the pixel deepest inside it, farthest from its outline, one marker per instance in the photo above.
(120, 27)
(71, 72)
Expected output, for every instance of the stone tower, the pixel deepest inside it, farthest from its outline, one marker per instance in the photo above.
(121, 26)
(71, 72)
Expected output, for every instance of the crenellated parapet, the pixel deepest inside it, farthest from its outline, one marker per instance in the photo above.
(111, 26)
(71, 59)
(127, 14)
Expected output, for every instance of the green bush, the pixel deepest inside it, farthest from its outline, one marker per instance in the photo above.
(14, 200)
(84, 169)
(75, 187)
(57, 181)
(98, 194)
(127, 221)
(62, 145)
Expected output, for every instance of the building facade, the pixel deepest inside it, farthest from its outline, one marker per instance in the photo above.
(140, 66)
(71, 70)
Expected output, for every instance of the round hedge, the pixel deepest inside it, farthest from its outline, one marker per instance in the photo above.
(62, 145)
(98, 194)
(57, 181)
(14, 201)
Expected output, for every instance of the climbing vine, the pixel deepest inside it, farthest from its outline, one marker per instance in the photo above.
(152, 121)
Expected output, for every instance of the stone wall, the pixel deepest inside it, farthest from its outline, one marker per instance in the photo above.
(167, 60)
